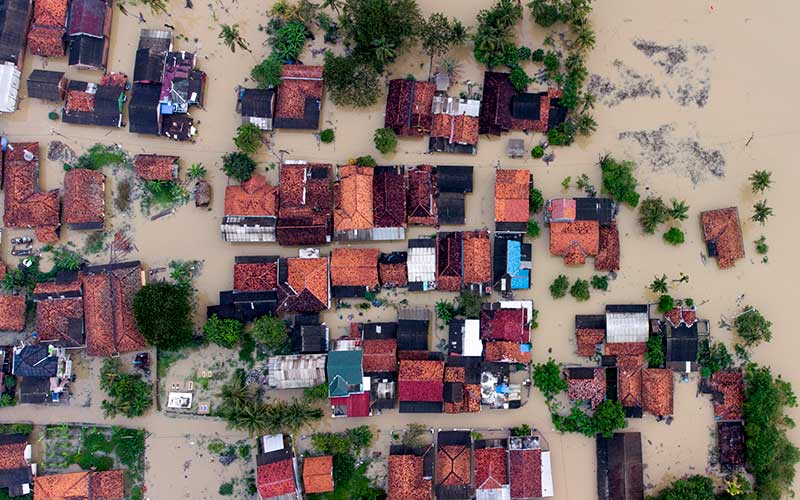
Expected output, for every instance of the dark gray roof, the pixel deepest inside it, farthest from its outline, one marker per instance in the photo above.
(257, 103)
(454, 179)
(107, 109)
(557, 114)
(34, 361)
(149, 66)
(590, 321)
(526, 106)
(451, 208)
(85, 50)
(143, 109)
(620, 473)
(14, 18)
(599, 209)
(34, 390)
(43, 84)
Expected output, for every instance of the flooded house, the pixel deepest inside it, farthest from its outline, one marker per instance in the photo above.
(454, 126)
(348, 388)
(143, 113)
(96, 104)
(15, 18)
(683, 332)
(512, 191)
(88, 485)
(276, 468)
(296, 371)
(59, 312)
(449, 261)
(47, 85)
(182, 85)
(477, 262)
(410, 474)
(306, 204)
(463, 261)
(491, 469)
(421, 384)
(318, 474)
(462, 383)
(658, 387)
(454, 466)
(16, 474)
(250, 211)
(12, 313)
(409, 107)
(303, 283)
(379, 361)
(722, 233)
(512, 263)
(256, 107)
(577, 231)
(413, 330)
(453, 183)
(421, 264)
(84, 199)
(148, 74)
(505, 330)
(354, 272)
(530, 468)
(503, 108)
(586, 384)
(620, 471)
(153, 167)
(308, 335)
(393, 270)
(88, 33)
(423, 190)
(464, 338)
(590, 333)
(353, 204)
(731, 445)
(255, 290)
(25, 205)
(389, 203)
(48, 28)
(299, 97)
(41, 366)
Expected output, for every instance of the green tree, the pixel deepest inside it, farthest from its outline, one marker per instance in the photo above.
(761, 245)
(580, 290)
(349, 82)
(469, 304)
(576, 421)
(412, 436)
(655, 351)
(332, 4)
(691, 488)
(326, 135)
(674, 236)
(366, 161)
(652, 213)
(665, 303)
(271, 332)
(618, 180)
(438, 34)
(761, 212)
(317, 393)
(585, 38)
(608, 417)
(679, 210)
(248, 138)
(521, 431)
(163, 314)
(385, 140)
(128, 395)
(659, 285)
(238, 165)
(267, 73)
(494, 36)
(288, 41)
(760, 180)
(519, 79)
(235, 394)
(445, 311)
(548, 379)
(559, 287)
(533, 229)
(753, 327)
(223, 332)
(713, 357)
(536, 201)
(230, 36)
(196, 171)
(600, 282)
(537, 152)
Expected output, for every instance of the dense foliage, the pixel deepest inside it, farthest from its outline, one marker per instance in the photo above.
(469, 304)
(533, 230)
(760, 181)
(655, 351)
(248, 138)
(674, 236)
(438, 34)
(713, 357)
(580, 290)
(618, 180)
(238, 165)
(608, 417)
(380, 30)
(547, 378)
(536, 200)
(691, 488)
(753, 327)
(270, 331)
(652, 212)
(327, 136)
(559, 287)
(223, 332)
(163, 315)
(385, 140)
(665, 303)
(350, 82)
(288, 41)
(99, 156)
(600, 282)
(267, 73)
(445, 311)
(494, 37)
(128, 395)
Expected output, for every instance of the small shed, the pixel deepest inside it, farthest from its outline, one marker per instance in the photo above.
(256, 106)
(515, 148)
(47, 85)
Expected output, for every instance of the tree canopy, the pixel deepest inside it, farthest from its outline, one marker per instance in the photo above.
(547, 378)
(380, 30)
(163, 315)
(753, 327)
(238, 165)
(271, 332)
(223, 332)
(494, 38)
(350, 82)
(618, 180)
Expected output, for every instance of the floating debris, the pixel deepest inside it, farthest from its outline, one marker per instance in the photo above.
(687, 69)
(628, 84)
(58, 151)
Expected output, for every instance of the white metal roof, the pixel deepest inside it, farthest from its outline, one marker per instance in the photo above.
(627, 327)
(472, 345)
(9, 87)
(547, 475)
(421, 264)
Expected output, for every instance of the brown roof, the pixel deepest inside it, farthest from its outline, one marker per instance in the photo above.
(297, 83)
(405, 478)
(421, 370)
(108, 485)
(53, 318)
(730, 385)
(252, 198)
(255, 277)
(389, 198)
(79, 100)
(156, 167)
(592, 389)
(449, 261)
(50, 13)
(352, 199)
(608, 249)
(25, 205)
(409, 107)
(108, 301)
(721, 228)
(506, 352)
(629, 354)
(379, 355)
(477, 257)
(392, 274)
(588, 338)
(309, 274)
(630, 387)
(453, 466)
(318, 474)
(46, 41)
(304, 216)
(511, 196)
(490, 468)
(422, 191)
(657, 387)
(465, 129)
(84, 196)
(470, 400)
(575, 240)
(12, 313)
(12, 455)
(355, 267)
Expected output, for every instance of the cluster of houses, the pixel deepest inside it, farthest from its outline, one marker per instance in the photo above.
(295, 104)
(584, 227)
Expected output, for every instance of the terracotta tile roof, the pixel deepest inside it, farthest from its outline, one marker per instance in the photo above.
(156, 167)
(477, 257)
(421, 380)
(84, 196)
(318, 474)
(25, 205)
(490, 468)
(46, 41)
(588, 338)
(470, 400)
(730, 384)
(722, 230)
(389, 199)
(107, 485)
(679, 315)
(306, 276)
(629, 354)
(405, 478)
(298, 82)
(409, 107)
(53, 287)
(608, 249)
(71, 486)
(352, 198)
(526, 473)
(506, 352)
(392, 274)
(12, 313)
(355, 267)
(275, 479)
(422, 191)
(461, 129)
(304, 216)
(592, 390)
(3, 270)
(252, 198)
(453, 466)
(442, 125)
(511, 196)
(53, 317)
(12, 455)
(115, 80)
(108, 311)
(46, 234)
(380, 355)
(454, 374)
(575, 240)
(449, 261)
(505, 324)
(50, 13)
(657, 389)
(255, 277)
(629, 392)
(540, 125)
(79, 100)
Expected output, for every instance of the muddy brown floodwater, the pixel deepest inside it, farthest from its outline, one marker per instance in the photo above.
(751, 91)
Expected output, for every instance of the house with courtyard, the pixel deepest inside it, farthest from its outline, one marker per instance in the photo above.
(683, 332)
(462, 384)
(379, 362)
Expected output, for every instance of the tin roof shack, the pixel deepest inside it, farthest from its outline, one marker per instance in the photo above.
(25, 205)
(15, 468)
(296, 371)
(410, 473)
(423, 191)
(299, 97)
(12, 313)
(454, 465)
(590, 333)
(182, 85)
(353, 207)
(586, 384)
(512, 200)
(47, 85)
(59, 312)
(306, 207)
(89, 33)
(393, 270)
(453, 182)
(389, 203)
(15, 17)
(421, 385)
(504, 109)
(154, 44)
(84, 199)
(46, 36)
(276, 468)
(354, 272)
(152, 167)
(421, 264)
(730, 443)
(256, 107)
(85, 485)
(530, 468)
(93, 104)
(348, 389)
(449, 261)
(584, 227)
(462, 384)
(409, 107)
(491, 470)
(318, 474)
(413, 329)
(477, 262)
(512, 263)
(723, 235)
(250, 213)
(108, 293)
(454, 126)
(684, 332)
(620, 472)
(303, 284)
(143, 112)
(308, 335)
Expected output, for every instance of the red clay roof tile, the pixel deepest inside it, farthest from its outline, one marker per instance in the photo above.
(12, 456)
(453, 466)
(298, 82)
(379, 355)
(511, 196)
(255, 277)
(12, 313)
(506, 352)
(608, 249)
(588, 338)
(575, 240)
(721, 228)
(352, 199)
(422, 191)
(355, 267)
(156, 167)
(46, 41)
(657, 389)
(53, 317)
(526, 473)
(309, 274)
(730, 384)
(25, 205)
(505, 324)
(421, 380)
(318, 474)
(470, 400)
(84, 196)
(490, 468)
(409, 107)
(477, 257)
(252, 198)
(592, 390)
(392, 274)
(275, 479)
(405, 478)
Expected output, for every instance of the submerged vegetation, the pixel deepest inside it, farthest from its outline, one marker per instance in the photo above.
(619, 181)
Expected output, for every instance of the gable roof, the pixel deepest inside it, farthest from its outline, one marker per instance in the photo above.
(91, 104)
(422, 192)
(409, 107)
(257, 103)
(143, 109)
(657, 389)
(318, 474)
(59, 313)
(344, 369)
(588, 339)
(304, 286)
(490, 468)
(620, 471)
(730, 386)
(151, 167)
(511, 196)
(84, 198)
(495, 113)
(477, 257)
(352, 199)
(46, 41)
(723, 235)
(299, 97)
(608, 249)
(526, 473)
(12, 313)
(574, 240)
(14, 18)
(510, 324)
(406, 479)
(25, 205)
(253, 198)
(449, 261)
(380, 355)
(255, 274)
(275, 479)
(107, 485)
(355, 267)
(421, 380)
(393, 270)
(389, 197)
(87, 17)
(306, 206)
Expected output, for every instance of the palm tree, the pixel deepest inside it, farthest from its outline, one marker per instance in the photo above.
(584, 38)
(679, 210)
(585, 124)
(760, 180)
(298, 414)
(384, 51)
(235, 394)
(761, 212)
(450, 67)
(231, 37)
(332, 4)
(588, 101)
(659, 285)
(252, 418)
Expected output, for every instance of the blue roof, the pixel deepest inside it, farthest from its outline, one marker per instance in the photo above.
(520, 278)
